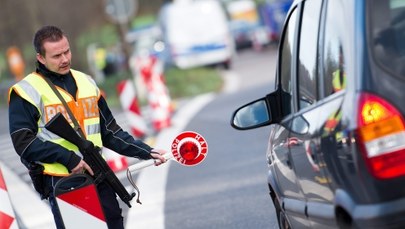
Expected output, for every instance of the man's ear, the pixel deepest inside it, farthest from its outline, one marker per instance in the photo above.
(40, 58)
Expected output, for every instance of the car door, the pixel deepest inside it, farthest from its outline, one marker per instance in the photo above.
(333, 153)
(280, 141)
(305, 124)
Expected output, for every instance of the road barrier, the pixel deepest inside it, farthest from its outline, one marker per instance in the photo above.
(129, 103)
(7, 216)
(151, 70)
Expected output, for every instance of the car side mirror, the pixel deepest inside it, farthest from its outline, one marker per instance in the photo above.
(251, 115)
(261, 112)
(300, 125)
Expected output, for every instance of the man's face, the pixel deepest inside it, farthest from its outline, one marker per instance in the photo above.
(57, 56)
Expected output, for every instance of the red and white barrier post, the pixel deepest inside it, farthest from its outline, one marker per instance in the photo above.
(7, 216)
(158, 95)
(129, 103)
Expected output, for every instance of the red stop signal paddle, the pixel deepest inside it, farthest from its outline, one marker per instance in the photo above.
(188, 148)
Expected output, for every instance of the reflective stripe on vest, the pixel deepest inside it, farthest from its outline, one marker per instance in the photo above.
(35, 90)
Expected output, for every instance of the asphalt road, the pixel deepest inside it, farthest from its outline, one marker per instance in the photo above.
(229, 189)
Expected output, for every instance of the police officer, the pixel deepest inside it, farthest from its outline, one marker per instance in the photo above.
(32, 104)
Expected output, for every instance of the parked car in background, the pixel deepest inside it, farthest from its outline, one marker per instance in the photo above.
(196, 33)
(246, 25)
(336, 149)
(273, 14)
(148, 41)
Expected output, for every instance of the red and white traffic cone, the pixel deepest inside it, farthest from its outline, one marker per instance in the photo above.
(129, 103)
(7, 216)
(158, 96)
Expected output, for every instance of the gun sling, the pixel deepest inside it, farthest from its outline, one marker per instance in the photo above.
(76, 125)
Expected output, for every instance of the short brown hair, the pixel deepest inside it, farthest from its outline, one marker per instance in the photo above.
(46, 33)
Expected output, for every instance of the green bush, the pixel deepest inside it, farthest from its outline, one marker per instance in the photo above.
(191, 82)
(180, 83)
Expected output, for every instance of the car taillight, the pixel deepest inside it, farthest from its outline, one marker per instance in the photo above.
(382, 134)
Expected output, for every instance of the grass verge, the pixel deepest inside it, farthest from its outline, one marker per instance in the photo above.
(180, 83)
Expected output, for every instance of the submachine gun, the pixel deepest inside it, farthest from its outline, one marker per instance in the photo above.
(91, 154)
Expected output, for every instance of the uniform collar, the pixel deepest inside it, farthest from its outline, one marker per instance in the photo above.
(42, 70)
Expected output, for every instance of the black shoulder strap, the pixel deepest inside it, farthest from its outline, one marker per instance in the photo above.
(76, 125)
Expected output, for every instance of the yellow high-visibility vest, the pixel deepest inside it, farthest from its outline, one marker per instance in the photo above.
(34, 89)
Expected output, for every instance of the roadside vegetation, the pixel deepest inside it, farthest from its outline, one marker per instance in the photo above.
(180, 83)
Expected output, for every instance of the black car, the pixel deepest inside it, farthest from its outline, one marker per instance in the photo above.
(336, 150)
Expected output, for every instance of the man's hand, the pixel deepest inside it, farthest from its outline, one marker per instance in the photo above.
(157, 155)
(82, 167)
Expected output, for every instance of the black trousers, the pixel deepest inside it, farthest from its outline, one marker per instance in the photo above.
(108, 199)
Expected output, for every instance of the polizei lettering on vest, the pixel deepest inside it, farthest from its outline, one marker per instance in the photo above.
(90, 107)
(84, 108)
(53, 109)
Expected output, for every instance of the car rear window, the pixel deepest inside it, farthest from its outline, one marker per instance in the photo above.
(388, 34)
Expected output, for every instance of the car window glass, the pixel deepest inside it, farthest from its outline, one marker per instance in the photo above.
(308, 53)
(252, 115)
(387, 29)
(286, 60)
(333, 56)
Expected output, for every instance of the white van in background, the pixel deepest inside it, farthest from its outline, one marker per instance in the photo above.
(196, 33)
